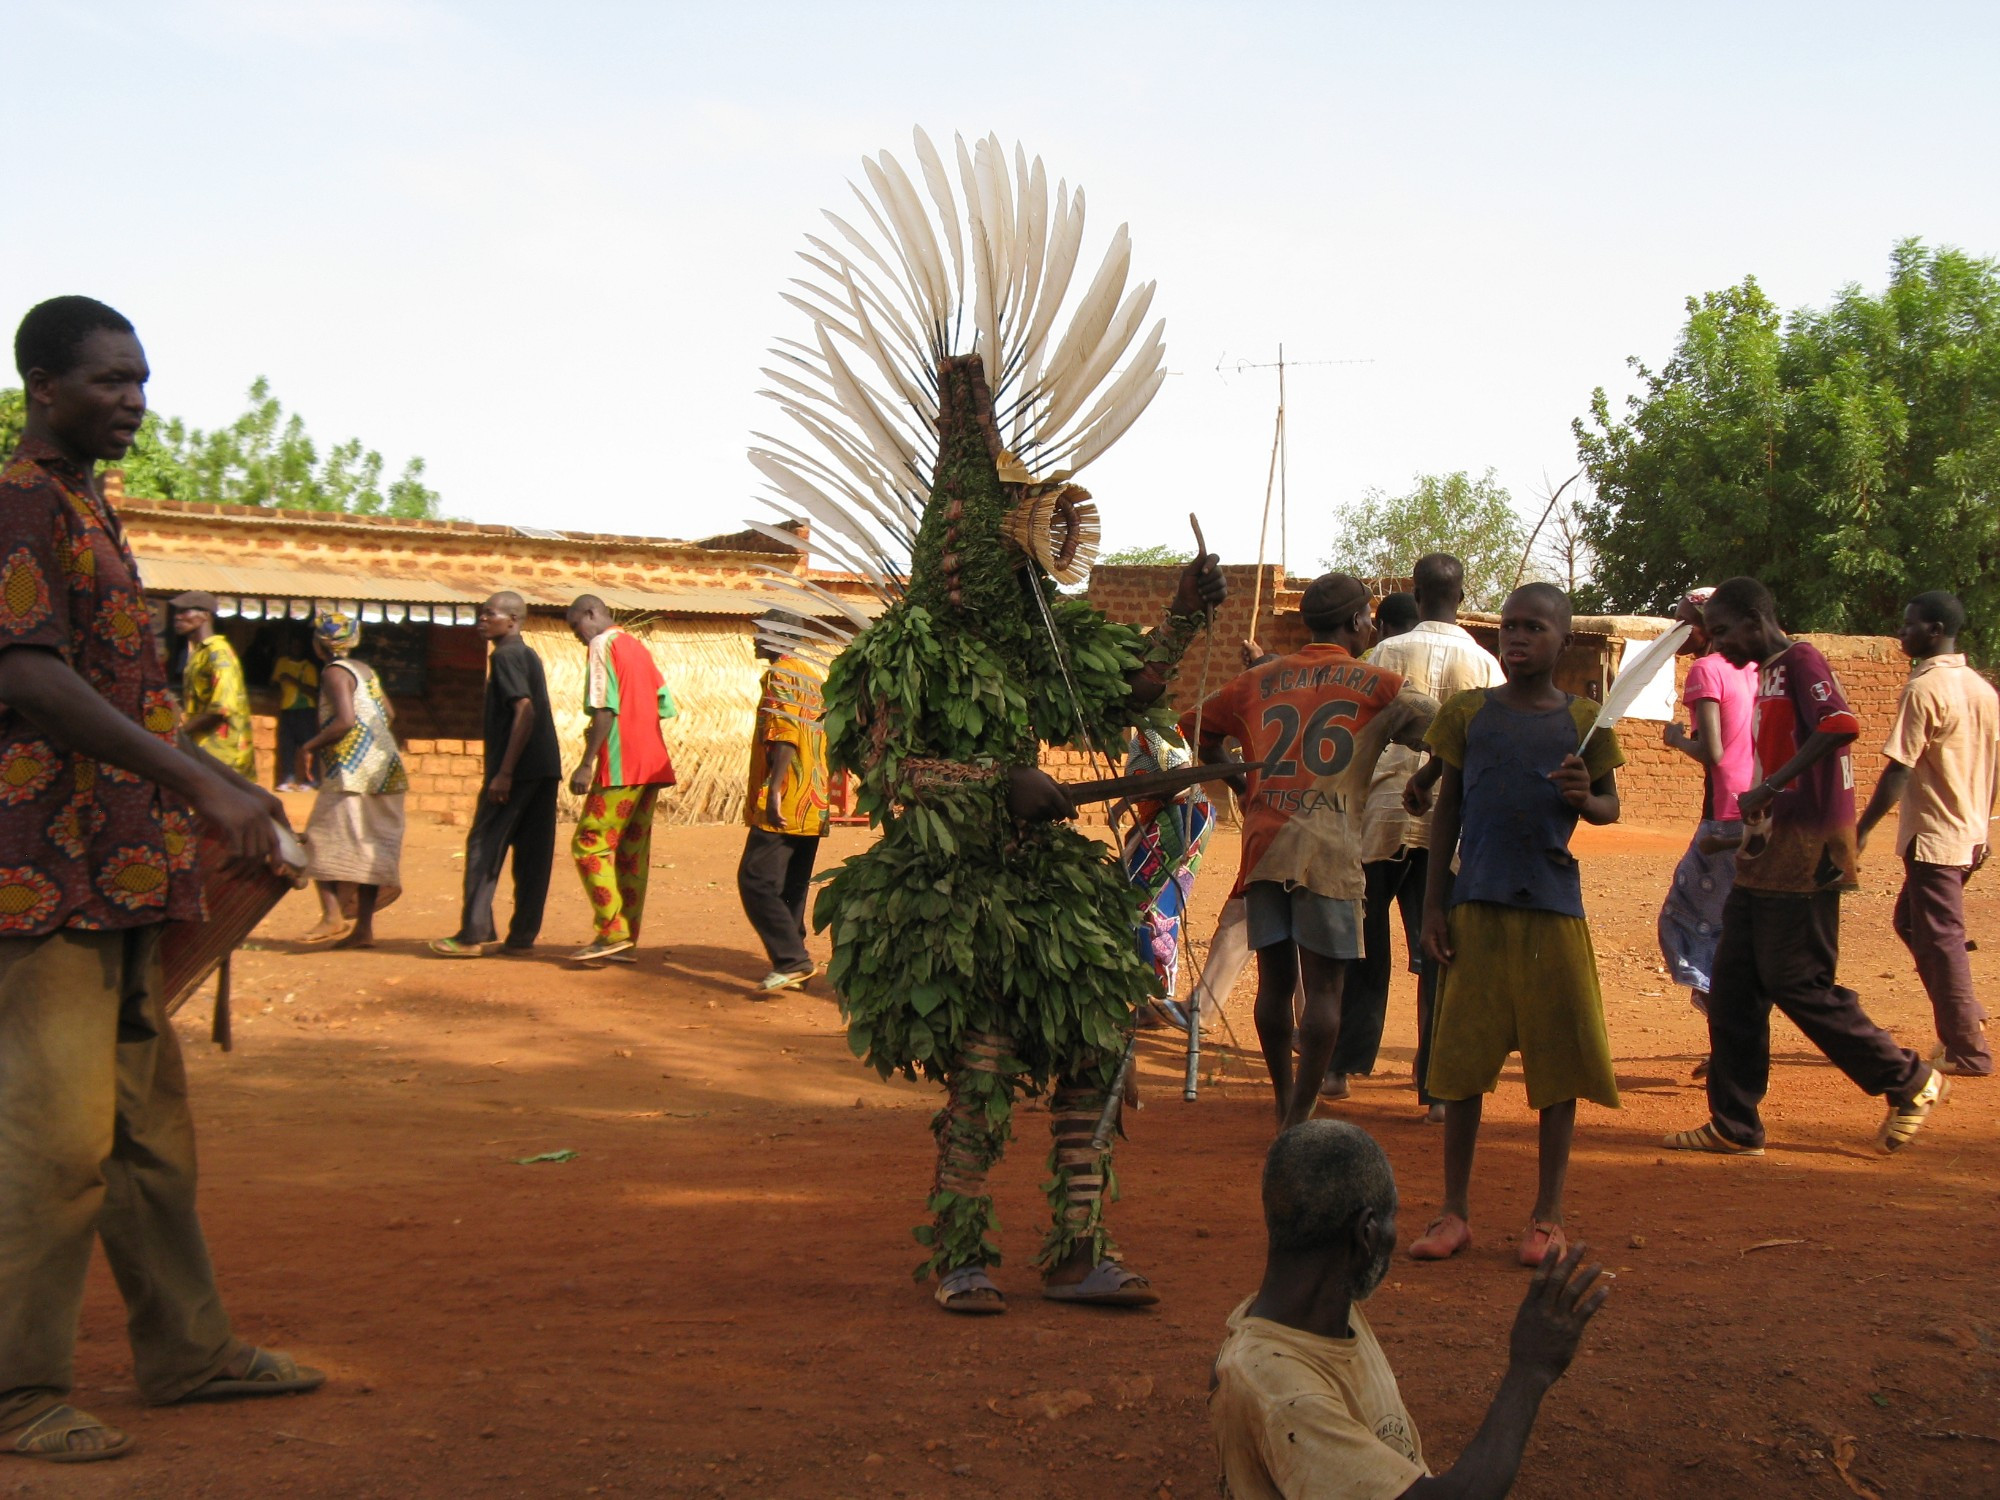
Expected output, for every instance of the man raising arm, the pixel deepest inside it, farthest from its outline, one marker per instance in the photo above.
(1303, 1401)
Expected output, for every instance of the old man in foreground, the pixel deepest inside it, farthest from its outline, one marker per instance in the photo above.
(1303, 1402)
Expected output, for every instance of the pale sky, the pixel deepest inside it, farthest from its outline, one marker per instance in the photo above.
(543, 245)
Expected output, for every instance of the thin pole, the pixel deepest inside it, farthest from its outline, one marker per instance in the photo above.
(1264, 527)
(1284, 453)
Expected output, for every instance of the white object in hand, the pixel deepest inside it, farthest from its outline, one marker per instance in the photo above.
(1632, 680)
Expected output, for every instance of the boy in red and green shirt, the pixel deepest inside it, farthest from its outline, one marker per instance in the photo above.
(625, 763)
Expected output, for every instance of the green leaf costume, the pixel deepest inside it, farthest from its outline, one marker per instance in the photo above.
(992, 955)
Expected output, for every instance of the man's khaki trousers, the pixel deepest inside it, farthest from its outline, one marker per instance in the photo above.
(96, 1141)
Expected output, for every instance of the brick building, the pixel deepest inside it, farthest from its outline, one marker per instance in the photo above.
(416, 586)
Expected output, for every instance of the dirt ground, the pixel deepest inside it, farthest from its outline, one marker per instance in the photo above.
(713, 1297)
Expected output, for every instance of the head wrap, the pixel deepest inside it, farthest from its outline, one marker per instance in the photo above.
(340, 633)
(1698, 597)
(1332, 599)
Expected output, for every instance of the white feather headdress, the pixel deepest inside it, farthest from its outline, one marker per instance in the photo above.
(888, 299)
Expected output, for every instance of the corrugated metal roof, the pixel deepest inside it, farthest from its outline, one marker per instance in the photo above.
(278, 581)
(275, 580)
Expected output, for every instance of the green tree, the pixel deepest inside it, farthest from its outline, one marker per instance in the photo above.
(1473, 519)
(13, 416)
(264, 457)
(1158, 555)
(1848, 456)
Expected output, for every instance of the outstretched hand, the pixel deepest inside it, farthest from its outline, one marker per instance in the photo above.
(1563, 1297)
(1034, 796)
(1202, 586)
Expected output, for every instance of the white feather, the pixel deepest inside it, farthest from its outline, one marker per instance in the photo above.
(1112, 427)
(914, 225)
(940, 190)
(1633, 677)
(1138, 369)
(1093, 313)
(822, 599)
(1084, 379)
(1065, 240)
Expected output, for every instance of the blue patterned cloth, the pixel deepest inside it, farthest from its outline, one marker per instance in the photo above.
(1691, 918)
(1161, 853)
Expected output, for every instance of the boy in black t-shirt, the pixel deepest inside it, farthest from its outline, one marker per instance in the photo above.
(517, 803)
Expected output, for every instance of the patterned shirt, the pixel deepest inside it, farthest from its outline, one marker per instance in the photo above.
(1325, 717)
(83, 844)
(620, 675)
(1804, 841)
(213, 683)
(365, 759)
(789, 713)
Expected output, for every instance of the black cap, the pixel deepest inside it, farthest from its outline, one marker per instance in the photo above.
(1333, 599)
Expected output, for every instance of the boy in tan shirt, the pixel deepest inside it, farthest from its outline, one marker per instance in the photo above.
(1941, 772)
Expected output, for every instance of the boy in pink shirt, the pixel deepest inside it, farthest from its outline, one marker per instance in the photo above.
(1721, 699)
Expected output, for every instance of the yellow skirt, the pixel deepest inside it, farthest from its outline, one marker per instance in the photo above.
(1520, 981)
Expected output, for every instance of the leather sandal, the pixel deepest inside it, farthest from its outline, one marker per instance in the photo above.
(265, 1372)
(48, 1438)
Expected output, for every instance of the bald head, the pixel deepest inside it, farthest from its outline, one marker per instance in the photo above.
(1439, 581)
(589, 617)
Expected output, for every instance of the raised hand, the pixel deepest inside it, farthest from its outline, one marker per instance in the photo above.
(1202, 586)
(1563, 1297)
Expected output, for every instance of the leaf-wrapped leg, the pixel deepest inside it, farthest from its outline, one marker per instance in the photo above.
(1081, 1181)
(972, 1131)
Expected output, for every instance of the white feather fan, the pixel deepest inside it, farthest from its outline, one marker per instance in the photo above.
(923, 274)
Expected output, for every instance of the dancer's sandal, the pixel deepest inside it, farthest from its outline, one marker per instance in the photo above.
(258, 1372)
(1443, 1238)
(49, 1438)
(319, 937)
(1905, 1120)
(1542, 1233)
(1108, 1285)
(1708, 1138)
(453, 948)
(971, 1291)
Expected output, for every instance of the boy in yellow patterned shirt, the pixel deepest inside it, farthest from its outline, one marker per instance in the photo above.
(787, 813)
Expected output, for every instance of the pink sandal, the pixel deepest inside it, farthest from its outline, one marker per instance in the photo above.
(1445, 1236)
(1536, 1242)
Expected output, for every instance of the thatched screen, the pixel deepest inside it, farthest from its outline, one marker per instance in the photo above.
(713, 671)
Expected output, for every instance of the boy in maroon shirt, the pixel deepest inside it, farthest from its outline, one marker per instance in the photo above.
(1781, 927)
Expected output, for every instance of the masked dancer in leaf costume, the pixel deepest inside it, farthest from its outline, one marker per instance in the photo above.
(940, 412)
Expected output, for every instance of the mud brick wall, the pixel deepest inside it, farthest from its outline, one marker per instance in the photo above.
(445, 778)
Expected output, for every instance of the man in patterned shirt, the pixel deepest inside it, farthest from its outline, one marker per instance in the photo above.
(213, 696)
(98, 797)
(787, 812)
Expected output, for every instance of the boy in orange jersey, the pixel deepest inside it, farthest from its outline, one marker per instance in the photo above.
(1312, 725)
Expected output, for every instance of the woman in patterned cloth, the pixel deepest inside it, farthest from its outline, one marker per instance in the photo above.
(1161, 853)
(355, 834)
